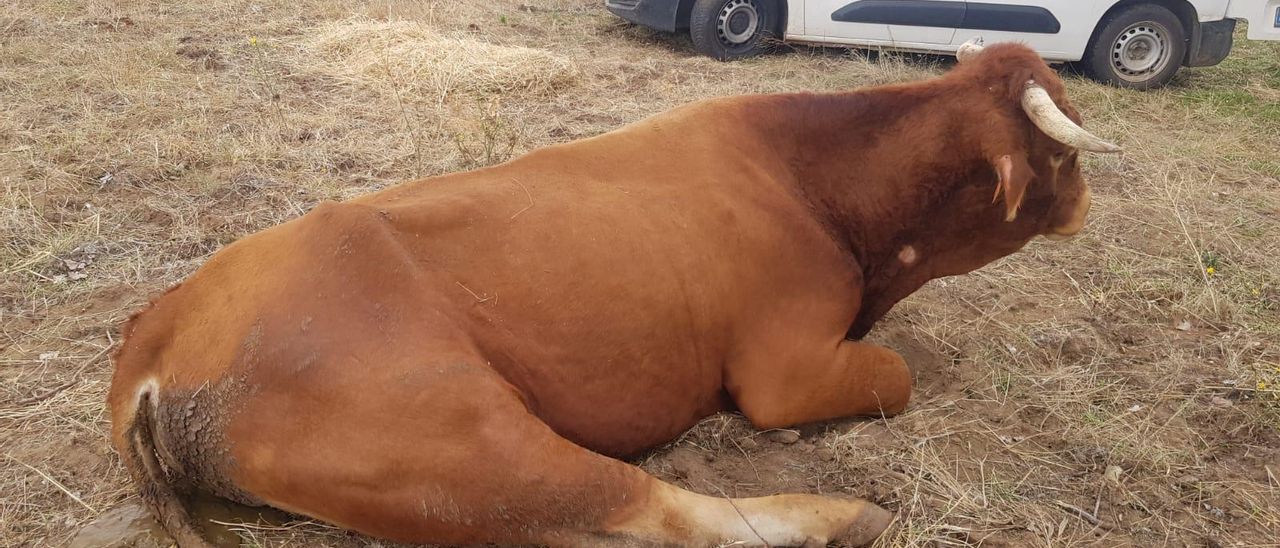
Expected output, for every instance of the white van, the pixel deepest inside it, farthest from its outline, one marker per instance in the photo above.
(1130, 43)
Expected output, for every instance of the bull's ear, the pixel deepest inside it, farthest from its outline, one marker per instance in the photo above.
(1013, 174)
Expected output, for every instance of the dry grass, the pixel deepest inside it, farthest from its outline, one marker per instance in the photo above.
(432, 64)
(140, 136)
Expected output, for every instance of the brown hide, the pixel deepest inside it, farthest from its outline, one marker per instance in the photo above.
(615, 289)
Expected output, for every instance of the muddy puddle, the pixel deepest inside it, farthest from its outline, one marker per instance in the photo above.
(130, 525)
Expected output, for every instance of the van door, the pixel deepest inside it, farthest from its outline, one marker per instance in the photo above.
(830, 19)
(912, 24)
(918, 24)
(1058, 29)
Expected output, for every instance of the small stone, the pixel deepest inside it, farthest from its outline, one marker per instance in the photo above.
(1113, 473)
(1219, 401)
(783, 436)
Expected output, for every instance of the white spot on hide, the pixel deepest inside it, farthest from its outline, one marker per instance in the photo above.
(908, 256)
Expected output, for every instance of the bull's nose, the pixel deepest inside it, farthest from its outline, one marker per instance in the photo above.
(1073, 226)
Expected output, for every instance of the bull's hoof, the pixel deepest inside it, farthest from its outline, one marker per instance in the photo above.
(869, 525)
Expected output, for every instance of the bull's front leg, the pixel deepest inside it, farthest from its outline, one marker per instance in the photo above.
(779, 389)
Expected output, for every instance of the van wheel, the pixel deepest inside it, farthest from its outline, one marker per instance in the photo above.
(1138, 47)
(733, 29)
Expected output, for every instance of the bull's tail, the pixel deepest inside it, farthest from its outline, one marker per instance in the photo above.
(139, 454)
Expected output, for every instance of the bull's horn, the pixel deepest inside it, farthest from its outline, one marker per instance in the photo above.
(969, 50)
(1044, 113)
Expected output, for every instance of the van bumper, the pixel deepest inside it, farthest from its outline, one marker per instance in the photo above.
(661, 15)
(1263, 17)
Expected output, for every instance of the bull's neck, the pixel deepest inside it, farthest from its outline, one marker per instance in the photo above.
(871, 166)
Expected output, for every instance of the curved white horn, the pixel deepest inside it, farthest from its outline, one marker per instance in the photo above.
(1046, 115)
(969, 50)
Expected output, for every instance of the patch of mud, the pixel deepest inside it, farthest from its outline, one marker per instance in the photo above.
(190, 436)
(129, 526)
(132, 526)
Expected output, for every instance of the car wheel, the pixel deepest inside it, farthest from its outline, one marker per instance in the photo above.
(1138, 47)
(732, 29)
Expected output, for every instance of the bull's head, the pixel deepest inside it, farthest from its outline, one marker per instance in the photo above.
(1028, 138)
(1049, 156)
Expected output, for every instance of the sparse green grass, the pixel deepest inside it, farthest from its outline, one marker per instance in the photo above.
(1237, 103)
(1246, 85)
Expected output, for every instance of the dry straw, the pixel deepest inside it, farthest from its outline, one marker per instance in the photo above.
(429, 61)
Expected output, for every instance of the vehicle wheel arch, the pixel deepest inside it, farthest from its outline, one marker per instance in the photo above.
(683, 12)
(1185, 12)
(685, 9)
(781, 6)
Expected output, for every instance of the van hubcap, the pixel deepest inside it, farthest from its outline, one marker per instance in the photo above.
(1141, 51)
(738, 22)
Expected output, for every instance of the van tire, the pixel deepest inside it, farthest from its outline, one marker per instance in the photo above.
(1138, 47)
(734, 29)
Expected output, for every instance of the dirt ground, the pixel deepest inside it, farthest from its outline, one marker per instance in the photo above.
(1118, 389)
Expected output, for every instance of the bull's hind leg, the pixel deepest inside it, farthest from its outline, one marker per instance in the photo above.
(450, 454)
(670, 515)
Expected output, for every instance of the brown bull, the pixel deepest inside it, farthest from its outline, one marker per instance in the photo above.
(460, 359)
